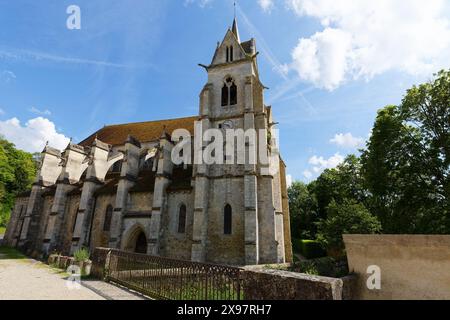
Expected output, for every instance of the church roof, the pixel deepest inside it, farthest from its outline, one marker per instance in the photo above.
(235, 30)
(248, 46)
(143, 131)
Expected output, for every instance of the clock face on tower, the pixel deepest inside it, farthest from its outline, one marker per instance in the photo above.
(228, 125)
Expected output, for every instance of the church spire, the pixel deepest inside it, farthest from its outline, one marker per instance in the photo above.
(235, 29)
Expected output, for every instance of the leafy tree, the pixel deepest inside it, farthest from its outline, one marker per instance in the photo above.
(303, 209)
(406, 164)
(17, 170)
(339, 184)
(346, 217)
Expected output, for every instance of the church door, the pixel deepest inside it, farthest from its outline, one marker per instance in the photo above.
(141, 244)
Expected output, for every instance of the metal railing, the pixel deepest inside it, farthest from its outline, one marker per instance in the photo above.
(172, 279)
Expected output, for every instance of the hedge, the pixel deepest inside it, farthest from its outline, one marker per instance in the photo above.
(310, 249)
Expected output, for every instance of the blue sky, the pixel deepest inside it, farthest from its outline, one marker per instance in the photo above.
(330, 65)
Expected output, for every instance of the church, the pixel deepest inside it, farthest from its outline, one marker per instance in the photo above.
(119, 188)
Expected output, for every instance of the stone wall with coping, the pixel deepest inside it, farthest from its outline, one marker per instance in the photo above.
(262, 283)
(412, 266)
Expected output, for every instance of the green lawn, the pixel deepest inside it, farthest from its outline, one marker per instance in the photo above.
(10, 253)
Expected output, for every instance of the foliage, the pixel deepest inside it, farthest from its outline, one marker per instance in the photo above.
(303, 208)
(406, 165)
(346, 218)
(327, 267)
(310, 249)
(81, 255)
(401, 182)
(17, 171)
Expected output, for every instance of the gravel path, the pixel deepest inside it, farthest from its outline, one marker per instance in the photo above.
(27, 279)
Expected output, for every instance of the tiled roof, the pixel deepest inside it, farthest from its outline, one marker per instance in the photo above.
(143, 131)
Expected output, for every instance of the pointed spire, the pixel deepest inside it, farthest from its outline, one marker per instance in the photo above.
(235, 29)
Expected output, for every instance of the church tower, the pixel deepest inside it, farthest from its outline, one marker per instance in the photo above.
(238, 216)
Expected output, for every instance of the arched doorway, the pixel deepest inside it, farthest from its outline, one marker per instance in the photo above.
(135, 240)
(141, 243)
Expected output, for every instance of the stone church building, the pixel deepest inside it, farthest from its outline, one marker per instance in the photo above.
(120, 189)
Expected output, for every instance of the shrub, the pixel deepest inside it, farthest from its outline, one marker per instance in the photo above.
(327, 267)
(312, 249)
(345, 218)
(81, 255)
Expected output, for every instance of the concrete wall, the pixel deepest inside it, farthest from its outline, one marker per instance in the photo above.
(412, 266)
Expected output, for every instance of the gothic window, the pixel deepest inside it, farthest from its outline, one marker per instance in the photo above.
(74, 223)
(148, 165)
(108, 218)
(182, 219)
(227, 219)
(231, 54)
(228, 54)
(229, 93)
(233, 94)
(117, 167)
(225, 95)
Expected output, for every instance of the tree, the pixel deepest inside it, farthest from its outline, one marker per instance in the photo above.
(303, 210)
(406, 164)
(343, 182)
(17, 171)
(348, 217)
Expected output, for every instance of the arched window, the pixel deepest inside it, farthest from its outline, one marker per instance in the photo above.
(227, 219)
(231, 54)
(108, 218)
(233, 94)
(148, 165)
(182, 219)
(117, 167)
(229, 93)
(228, 54)
(225, 95)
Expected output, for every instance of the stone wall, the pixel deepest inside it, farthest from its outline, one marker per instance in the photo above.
(222, 248)
(100, 238)
(412, 266)
(15, 223)
(268, 284)
(174, 244)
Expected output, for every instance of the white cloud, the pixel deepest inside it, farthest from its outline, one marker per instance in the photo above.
(45, 112)
(7, 76)
(347, 140)
(33, 135)
(320, 163)
(289, 180)
(27, 55)
(201, 3)
(266, 5)
(362, 39)
(308, 174)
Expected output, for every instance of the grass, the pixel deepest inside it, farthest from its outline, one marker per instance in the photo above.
(10, 253)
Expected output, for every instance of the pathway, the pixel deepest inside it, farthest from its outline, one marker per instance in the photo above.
(27, 279)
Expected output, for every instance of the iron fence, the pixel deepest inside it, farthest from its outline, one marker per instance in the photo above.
(172, 279)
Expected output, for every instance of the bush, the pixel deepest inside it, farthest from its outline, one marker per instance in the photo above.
(345, 218)
(326, 267)
(81, 255)
(312, 249)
